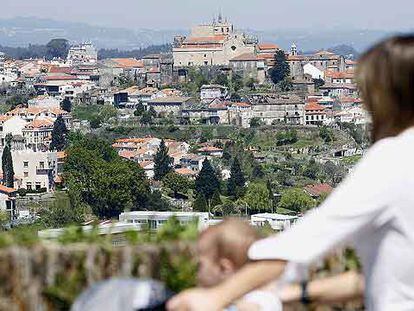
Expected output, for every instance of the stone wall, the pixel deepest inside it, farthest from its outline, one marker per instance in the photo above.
(50, 276)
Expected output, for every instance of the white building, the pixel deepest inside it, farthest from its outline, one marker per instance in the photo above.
(276, 221)
(154, 220)
(213, 91)
(315, 72)
(37, 170)
(84, 53)
(8, 201)
(44, 101)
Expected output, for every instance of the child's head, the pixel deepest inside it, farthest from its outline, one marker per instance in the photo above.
(223, 250)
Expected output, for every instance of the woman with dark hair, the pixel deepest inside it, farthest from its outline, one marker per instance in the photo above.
(372, 209)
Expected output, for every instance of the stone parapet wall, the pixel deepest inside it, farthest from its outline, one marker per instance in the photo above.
(50, 276)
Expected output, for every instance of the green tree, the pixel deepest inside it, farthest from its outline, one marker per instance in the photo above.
(257, 197)
(326, 134)
(285, 85)
(207, 182)
(200, 203)
(140, 109)
(318, 83)
(57, 48)
(221, 79)
(255, 122)
(97, 177)
(176, 183)
(146, 118)
(281, 70)
(312, 169)
(257, 172)
(216, 200)
(236, 183)
(59, 134)
(296, 200)
(162, 162)
(66, 105)
(61, 213)
(7, 163)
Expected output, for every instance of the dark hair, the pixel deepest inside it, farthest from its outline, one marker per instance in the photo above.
(385, 77)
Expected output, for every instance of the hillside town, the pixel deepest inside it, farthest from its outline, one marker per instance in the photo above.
(217, 120)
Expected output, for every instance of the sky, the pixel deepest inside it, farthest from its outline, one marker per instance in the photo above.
(253, 14)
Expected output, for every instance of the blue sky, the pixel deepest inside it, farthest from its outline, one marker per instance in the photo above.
(255, 14)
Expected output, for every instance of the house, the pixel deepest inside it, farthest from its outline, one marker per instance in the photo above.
(84, 53)
(186, 172)
(192, 162)
(167, 105)
(273, 107)
(340, 77)
(315, 72)
(36, 169)
(317, 190)
(314, 114)
(44, 101)
(339, 89)
(148, 167)
(155, 220)
(213, 91)
(38, 133)
(278, 222)
(8, 201)
(210, 151)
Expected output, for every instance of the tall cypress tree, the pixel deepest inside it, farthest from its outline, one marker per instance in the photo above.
(59, 135)
(7, 164)
(162, 162)
(236, 181)
(281, 70)
(207, 182)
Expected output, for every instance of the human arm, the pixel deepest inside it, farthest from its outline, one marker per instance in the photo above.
(250, 277)
(339, 288)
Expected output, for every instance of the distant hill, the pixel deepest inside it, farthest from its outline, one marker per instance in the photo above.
(22, 31)
(345, 50)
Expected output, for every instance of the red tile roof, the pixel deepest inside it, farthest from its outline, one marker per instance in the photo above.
(313, 106)
(185, 171)
(318, 189)
(128, 62)
(267, 46)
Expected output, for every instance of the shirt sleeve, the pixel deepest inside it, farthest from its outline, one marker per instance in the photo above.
(357, 206)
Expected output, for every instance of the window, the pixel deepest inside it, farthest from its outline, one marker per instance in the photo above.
(25, 164)
(41, 165)
(26, 174)
(233, 48)
(29, 186)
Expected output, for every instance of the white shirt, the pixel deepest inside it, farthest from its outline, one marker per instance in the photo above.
(264, 300)
(373, 210)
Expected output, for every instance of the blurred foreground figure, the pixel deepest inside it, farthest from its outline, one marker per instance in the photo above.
(123, 295)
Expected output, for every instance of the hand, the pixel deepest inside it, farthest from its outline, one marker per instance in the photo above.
(195, 300)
